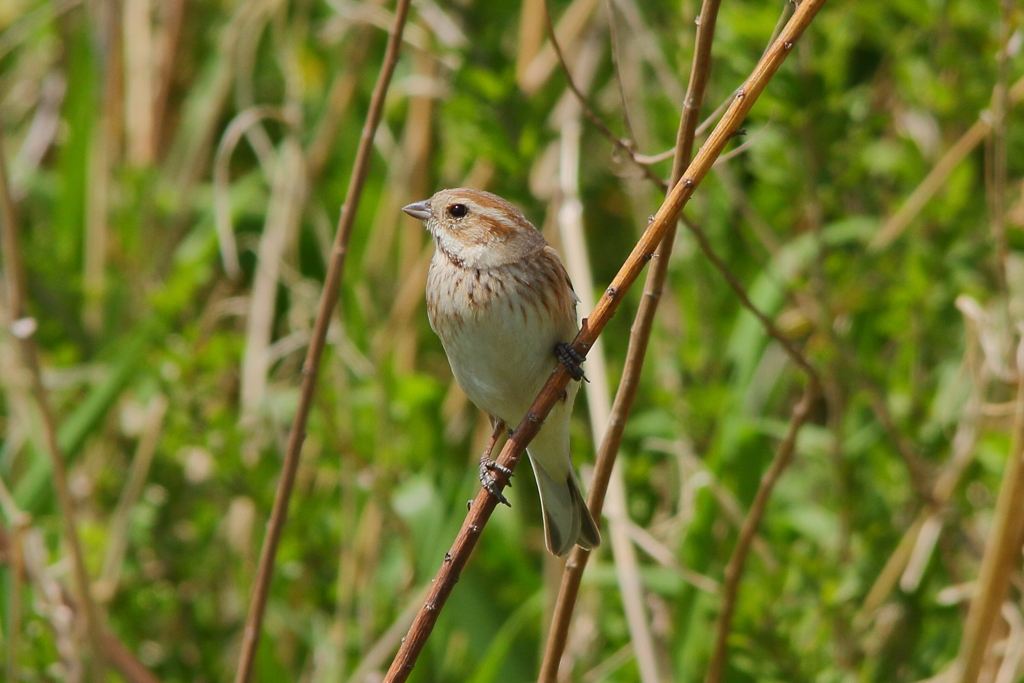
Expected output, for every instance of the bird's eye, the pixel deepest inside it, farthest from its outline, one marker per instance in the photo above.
(457, 210)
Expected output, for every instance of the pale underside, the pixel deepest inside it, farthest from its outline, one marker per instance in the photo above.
(500, 301)
(502, 348)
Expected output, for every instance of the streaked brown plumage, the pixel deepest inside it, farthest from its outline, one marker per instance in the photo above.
(500, 301)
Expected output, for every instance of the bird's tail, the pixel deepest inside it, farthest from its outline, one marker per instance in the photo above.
(567, 521)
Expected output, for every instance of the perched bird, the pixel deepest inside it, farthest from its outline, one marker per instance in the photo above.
(500, 300)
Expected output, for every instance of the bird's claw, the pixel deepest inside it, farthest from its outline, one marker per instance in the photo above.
(571, 359)
(489, 482)
(494, 465)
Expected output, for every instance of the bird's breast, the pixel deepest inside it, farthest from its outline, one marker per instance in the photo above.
(499, 328)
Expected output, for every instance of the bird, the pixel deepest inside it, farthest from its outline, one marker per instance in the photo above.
(504, 308)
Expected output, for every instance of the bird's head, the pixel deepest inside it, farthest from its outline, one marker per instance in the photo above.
(477, 229)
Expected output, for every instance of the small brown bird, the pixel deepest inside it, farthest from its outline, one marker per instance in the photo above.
(502, 304)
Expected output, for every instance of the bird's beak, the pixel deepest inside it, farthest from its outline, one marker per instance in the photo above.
(419, 210)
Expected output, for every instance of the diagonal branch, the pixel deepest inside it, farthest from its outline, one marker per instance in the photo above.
(734, 570)
(795, 354)
(311, 366)
(638, 340)
(482, 507)
(627, 147)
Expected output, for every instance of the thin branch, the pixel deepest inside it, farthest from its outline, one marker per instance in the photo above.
(627, 147)
(787, 5)
(310, 368)
(713, 116)
(701, 129)
(734, 570)
(655, 158)
(23, 329)
(639, 337)
(627, 567)
(917, 467)
(747, 144)
(795, 354)
(616, 70)
(130, 668)
(482, 507)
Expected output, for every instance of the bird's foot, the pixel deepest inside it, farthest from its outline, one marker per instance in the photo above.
(571, 359)
(489, 482)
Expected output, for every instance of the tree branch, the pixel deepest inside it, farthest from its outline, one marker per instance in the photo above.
(734, 570)
(482, 507)
(627, 147)
(311, 366)
(639, 337)
(795, 354)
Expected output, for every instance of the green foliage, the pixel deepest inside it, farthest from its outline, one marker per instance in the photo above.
(861, 112)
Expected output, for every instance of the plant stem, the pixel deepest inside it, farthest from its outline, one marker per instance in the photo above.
(482, 507)
(311, 366)
(638, 340)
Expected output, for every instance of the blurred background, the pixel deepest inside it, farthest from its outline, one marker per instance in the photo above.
(178, 169)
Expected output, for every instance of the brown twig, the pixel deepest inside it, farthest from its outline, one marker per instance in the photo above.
(482, 507)
(627, 147)
(917, 467)
(701, 129)
(613, 32)
(787, 5)
(747, 144)
(1002, 550)
(795, 354)
(130, 668)
(310, 368)
(734, 570)
(641, 331)
(577, 262)
(23, 329)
